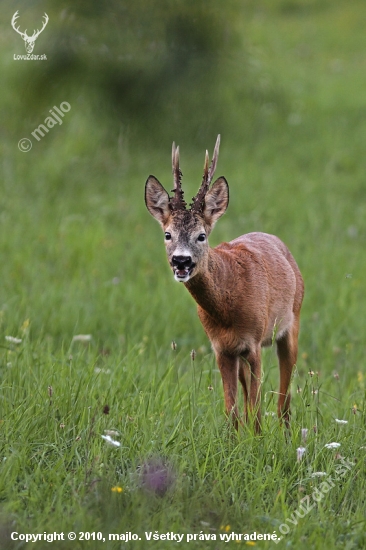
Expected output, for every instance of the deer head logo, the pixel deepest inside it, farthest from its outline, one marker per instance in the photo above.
(29, 40)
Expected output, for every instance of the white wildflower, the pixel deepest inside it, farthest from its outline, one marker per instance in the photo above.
(318, 474)
(13, 340)
(82, 338)
(110, 441)
(112, 432)
(341, 421)
(304, 434)
(98, 370)
(332, 445)
(300, 453)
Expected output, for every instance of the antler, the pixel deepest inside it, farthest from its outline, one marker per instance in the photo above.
(37, 32)
(208, 173)
(177, 202)
(24, 35)
(13, 21)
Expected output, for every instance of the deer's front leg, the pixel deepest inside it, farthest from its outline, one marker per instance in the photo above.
(229, 366)
(254, 361)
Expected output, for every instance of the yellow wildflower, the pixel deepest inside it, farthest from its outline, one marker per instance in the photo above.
(25, 325)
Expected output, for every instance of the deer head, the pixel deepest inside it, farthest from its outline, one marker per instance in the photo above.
(29, 40)
(186, 230)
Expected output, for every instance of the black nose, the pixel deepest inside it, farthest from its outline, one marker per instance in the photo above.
(182, 262)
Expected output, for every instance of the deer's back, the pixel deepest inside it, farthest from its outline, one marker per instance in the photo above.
(283, 274)
(265, 288)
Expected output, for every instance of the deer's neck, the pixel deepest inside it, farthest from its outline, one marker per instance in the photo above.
(211, 288)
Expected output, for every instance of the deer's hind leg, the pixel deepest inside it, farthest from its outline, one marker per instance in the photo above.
(250, 368)
(287, 348)
(243, 379)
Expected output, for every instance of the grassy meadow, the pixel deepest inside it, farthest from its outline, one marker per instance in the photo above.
(80, 255)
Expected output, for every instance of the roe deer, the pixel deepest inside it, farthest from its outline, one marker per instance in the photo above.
(249, 291)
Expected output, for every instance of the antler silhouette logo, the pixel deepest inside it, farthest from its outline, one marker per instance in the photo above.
(29, 40)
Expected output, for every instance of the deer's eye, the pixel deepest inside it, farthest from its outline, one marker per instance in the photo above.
(167, 236)
(201, 237)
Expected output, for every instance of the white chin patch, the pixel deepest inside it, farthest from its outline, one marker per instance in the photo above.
(181, 278)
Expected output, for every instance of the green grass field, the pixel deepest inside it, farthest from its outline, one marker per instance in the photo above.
(80, 254)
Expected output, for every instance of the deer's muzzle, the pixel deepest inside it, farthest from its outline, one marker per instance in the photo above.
(182, 267)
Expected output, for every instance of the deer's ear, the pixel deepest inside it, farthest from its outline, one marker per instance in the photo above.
(216, 201)
(157, 200)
